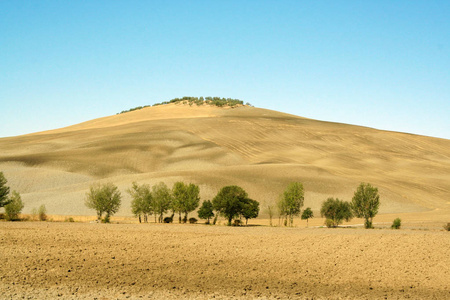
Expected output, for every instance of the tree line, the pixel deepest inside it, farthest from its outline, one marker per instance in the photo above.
(232, 202)
(215, 101)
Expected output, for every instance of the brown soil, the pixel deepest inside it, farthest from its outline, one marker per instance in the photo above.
(42, 260)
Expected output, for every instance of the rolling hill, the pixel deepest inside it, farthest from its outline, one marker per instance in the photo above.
(258, 149)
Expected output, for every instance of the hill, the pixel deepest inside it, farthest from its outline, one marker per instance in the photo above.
(259, 149)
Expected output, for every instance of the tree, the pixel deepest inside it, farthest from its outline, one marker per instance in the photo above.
(104, 198)
(250, 209)
(14, 207)
(336, 211)
(4, 191)
(185, 199)
(178, 193)
(206, 211)
(307, 214)
(292, 201)
(162, 200)
(229, 202)
(141, 205)
(365, 203)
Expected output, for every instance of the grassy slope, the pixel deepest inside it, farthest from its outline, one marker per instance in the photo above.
(259, 149)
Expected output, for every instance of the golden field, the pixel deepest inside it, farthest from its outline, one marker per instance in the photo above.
(258, 149)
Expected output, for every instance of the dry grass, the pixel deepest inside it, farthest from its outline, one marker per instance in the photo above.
(258, 149)
(81, 260)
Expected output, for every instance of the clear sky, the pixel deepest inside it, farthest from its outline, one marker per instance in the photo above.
(382, 64)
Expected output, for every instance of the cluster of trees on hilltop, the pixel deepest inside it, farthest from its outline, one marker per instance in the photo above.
(216, 101)
(133, 109)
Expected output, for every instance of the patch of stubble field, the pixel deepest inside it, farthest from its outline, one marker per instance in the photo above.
(82, 260)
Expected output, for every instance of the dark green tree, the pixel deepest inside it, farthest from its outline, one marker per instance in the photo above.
(336, 211)
(4, 191)
(365, 203)
(14, 207)
(307, 214)
(229, 202)
(104, 198)
(205, 211)
(250, 209)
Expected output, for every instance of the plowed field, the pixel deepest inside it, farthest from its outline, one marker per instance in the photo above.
(117, 261)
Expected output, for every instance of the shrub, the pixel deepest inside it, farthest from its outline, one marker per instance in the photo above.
(192, 220)
(396, 224)
(336, 210)
(42, 213)
(447, 227)
(69, 220)
(329, 223)
(14, 207)
(34, 214)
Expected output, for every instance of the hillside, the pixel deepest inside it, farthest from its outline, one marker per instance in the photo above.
(259, 149)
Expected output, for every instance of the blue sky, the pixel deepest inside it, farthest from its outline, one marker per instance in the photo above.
(382, 64)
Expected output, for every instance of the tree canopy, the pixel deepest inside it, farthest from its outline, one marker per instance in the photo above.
(104, 198)
(250, 209)
(307, 214)
(14, 207)
(365, 203)
(291, 201)
(185, 198)
(162, 200)
(141, 205)
(206, 211)
(4, 191)
(336, 211)
(230, 201)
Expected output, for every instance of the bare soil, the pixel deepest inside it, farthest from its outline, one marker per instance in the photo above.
(43, 260)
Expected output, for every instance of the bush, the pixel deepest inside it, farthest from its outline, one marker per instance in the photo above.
(69, 220)
(447, 227)
(237, 222)
(42, 213)
(329, 223)
(192, 220)
(396, 224)
(14, 207)
(336, 211)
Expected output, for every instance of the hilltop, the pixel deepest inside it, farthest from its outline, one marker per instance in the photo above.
(212, 146)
